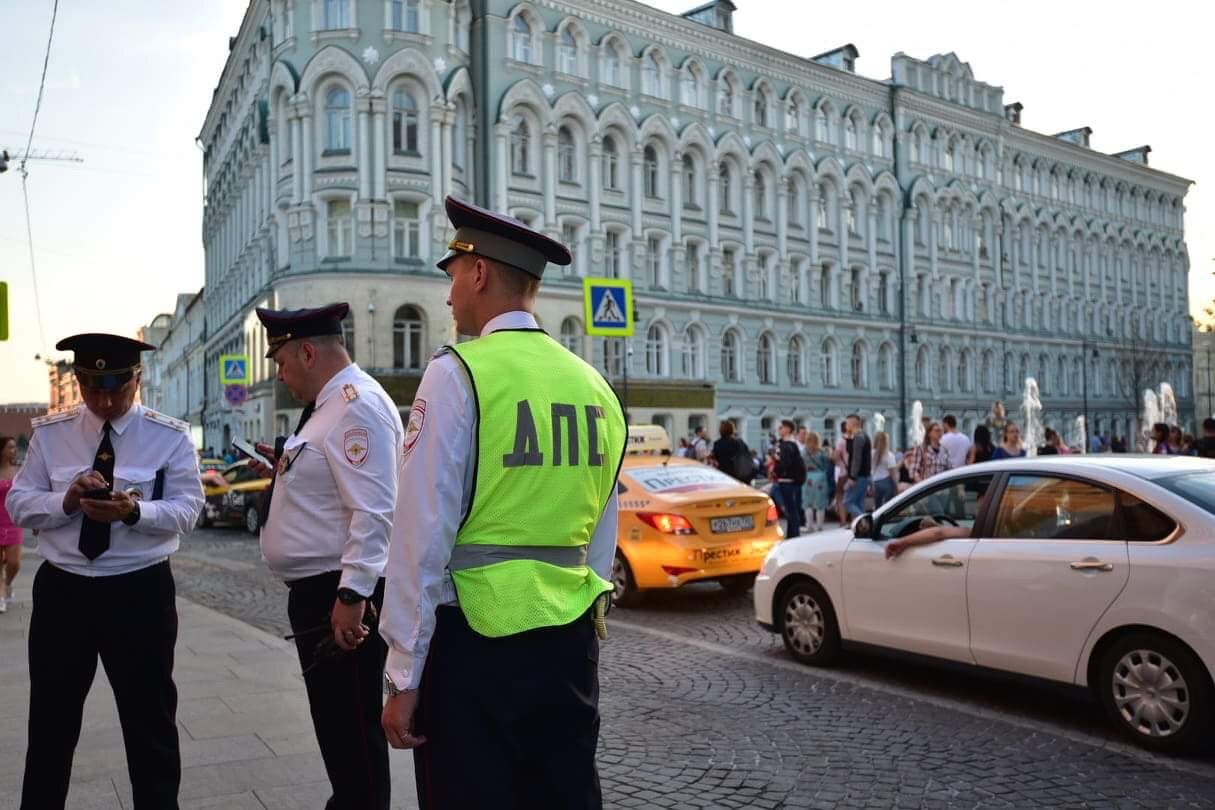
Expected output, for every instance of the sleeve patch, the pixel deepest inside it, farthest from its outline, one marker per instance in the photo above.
(355, 443)
(413, 430)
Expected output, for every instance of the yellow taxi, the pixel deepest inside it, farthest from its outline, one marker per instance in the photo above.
(233, 495)
(683, 521)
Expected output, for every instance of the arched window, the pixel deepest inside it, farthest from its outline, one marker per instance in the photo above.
(830, 371)
(849, 134)
(1061, 376)
(521, 40)
(761, 108)
(922, 369)
(650, 175)
(821, 133)
(725, 97)
(404, 123)
(795, 361)
(761, 196)
(793, 202)
(405, 15)
(612, 73)
(337, 120)
(765, 359)
(567, 53)
(729, 357)
(723, 189)
(571, 335)
(988, 375)
(690, 198)
(657, 351)
(860, 366)
(885, 367)
(964, 380)
(567, 156)
(336, 14)
(407, 327)
(651, 76)
(611, 164)
(406, 230)
(520, 146)
(944, 361)
(690, 87)
(692, 353)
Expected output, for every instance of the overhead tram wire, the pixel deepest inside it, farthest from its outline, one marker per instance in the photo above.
(29, 229)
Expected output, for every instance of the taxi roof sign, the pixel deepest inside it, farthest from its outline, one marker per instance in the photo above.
(608, 306)
(648, 439)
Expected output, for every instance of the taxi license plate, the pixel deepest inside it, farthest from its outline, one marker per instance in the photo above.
(742, 523)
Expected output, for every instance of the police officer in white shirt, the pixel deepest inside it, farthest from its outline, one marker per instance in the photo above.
(326, 534)
(504, 539)
(111, 487)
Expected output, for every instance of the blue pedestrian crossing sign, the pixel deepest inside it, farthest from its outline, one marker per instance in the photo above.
(608, 303)
(233, 369)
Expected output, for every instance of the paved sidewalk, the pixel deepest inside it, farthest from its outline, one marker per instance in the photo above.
(246, 736)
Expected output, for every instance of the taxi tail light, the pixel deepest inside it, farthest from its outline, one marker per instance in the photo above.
(773, 515)
(666, 523)
(676, 570)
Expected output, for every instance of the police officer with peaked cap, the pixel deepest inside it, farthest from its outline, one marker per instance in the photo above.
(506, 531)
(326, 534)
(111, 486)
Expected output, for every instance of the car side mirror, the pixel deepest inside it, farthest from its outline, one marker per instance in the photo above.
(863, 526)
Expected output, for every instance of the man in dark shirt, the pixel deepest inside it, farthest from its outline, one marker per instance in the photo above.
(789, 473)
(860, 461)
(1206, 444)
(731, 456)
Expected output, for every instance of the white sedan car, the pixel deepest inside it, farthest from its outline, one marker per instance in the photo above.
(1093, 570)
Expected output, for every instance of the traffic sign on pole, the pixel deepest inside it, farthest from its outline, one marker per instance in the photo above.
(234, 369)
(235, 395)
(608, 304)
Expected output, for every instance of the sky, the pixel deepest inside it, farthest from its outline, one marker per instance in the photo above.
(118, 236)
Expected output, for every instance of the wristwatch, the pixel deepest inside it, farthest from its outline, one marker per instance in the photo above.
(390, 688)
(349, 596)
(133, 517)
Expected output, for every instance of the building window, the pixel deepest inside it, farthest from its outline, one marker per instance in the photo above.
(922, 369)
(340, 227)
(405, 15)
(729, 357)
(830, 378)
(793, 205)
(725, 98)
(689, 88)
(347, 335)
(761, 109)
(571, 335)
(693, 352)
(821, 133)
(849, 134)
(613, 357)
(650, 173)
(567, 156)
(406, 226)
(611, 66)
(337, 14)
(856, 292)
(651, 76)
(521, 40)
(765, 360)
(883, 293)
(859, 366)
(728, 288)
(611, 164)
(337, 120)
(795, 361)
(765, 277)
(656, 352)
(407, 338)
(693, 267)
(612, 254)
(885, 367)
(689, 182)
(569, 238)
(653, 262)
(761, 197)
(404, 123)
(520, 146)
(723, 189)
(567, 53)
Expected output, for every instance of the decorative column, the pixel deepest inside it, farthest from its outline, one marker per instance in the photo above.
(782, 218)
(635, 187)
(548, 142)
(436, 160)
(448, 124)
(713, 202)
(748, 212)
(595, 181)
(812, 226)
(272, 191)
(841, 228)
(676, 197)
(303, 158)
(379, 158)
(297, 151)
(502, 147)
(364, 159)
(871, 238)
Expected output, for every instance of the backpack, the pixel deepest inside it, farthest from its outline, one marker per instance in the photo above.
(744, 467)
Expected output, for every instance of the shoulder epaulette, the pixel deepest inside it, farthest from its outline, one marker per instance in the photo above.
(52, 418)
(439, 352)
(349, 392)
(167, 421)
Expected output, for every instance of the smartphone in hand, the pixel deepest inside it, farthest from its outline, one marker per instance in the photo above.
(249, 451)
(98, 494)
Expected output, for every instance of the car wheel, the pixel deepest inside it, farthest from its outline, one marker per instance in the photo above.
(807, 624)
(1156, 691)
(737, 584)
(253, 519)
(624, 587)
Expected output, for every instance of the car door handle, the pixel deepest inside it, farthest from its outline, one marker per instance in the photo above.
(947, 561)
(1092, 565)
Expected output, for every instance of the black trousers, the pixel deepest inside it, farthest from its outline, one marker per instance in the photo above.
(346, 696)
(509, 722)
(130, 622)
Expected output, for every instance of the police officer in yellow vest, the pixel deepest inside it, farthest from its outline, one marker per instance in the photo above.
(504, 534)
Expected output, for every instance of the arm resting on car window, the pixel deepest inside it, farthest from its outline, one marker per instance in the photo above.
(923, 537)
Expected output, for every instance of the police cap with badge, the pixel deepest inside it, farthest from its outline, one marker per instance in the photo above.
(283, 325)
(103, 361)
(501, 238)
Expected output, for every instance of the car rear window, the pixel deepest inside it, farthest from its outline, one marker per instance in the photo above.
(1141, 522)
(1197, 488)
(680, 478)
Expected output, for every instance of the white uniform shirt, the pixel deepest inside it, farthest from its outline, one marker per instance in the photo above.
(336, 486)
(65, 445)
(436, 484)
(957, 446)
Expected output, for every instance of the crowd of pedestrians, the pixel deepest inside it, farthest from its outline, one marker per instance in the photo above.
(813, 479)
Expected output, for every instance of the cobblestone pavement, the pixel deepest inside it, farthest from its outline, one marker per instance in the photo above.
(701, 708)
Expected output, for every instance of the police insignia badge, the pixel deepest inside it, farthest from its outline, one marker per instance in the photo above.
(349, 392)
(413, 429)
(355, 443)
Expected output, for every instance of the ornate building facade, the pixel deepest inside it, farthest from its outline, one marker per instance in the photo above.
(804, 242)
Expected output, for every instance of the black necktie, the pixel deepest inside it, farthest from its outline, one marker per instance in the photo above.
(278, 450)
(95, 535)
(305, 415)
